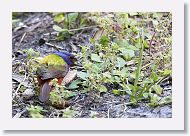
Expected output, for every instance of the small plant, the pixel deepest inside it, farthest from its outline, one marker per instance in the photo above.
(68, 19)
(106, 64)
(69, 113)
(31, 53)
(138, 71)
(65, 23)
(32, 64)
(59, 93)
(35, 111)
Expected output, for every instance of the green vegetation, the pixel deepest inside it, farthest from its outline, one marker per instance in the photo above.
(128, 54)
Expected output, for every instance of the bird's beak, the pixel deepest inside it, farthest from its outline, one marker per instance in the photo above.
(74, 60)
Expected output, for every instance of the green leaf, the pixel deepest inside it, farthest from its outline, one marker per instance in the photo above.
(107, 74)
(72, 17)
(128, 55)
(104, 40)
(82, 75)
(157, 89)
(95, 68)
(14, 21)
(31, 53)
(123, 43)
(148, 81)
(64, 34)
(102, 88)
(128, 87)
(132, 75)
(154, 76)
(167, 72)
(74, 84)
(128, 51)
(116, 92)
(146, 46)
(95, 57)
(154, 101)
(124, 72)
(120, 62)
(145, 95)
(134, 48)
(70, 20)
(115, 46)
(59, 18)
(35, 111)
(55, 97)
(69, 113)
(57, 28)
(116, 72)
(117, 79)
(166, 100)
(66, 94)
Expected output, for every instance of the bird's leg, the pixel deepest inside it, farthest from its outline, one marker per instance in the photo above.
(60, 81)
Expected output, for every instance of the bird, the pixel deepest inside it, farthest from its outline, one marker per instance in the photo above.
(55, 65)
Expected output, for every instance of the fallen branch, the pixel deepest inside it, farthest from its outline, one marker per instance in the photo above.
(54, 46)
(19, 114)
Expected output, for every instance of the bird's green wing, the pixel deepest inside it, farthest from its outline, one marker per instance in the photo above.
(52, 59)
(52, 66)
(52, 71)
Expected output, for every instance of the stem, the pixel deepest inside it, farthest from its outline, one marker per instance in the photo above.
(142, 91)
(133, 96)
(68, 23)
(150, 43)
(76, 29)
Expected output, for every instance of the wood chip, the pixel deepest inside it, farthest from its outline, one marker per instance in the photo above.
(70, 76)
(28, 93)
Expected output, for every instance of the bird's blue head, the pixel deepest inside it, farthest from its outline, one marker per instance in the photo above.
(68, 57)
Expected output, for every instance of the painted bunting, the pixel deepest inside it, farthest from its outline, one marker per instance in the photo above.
(53, 66)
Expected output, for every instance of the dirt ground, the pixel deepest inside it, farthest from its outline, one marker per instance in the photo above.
(35, 28)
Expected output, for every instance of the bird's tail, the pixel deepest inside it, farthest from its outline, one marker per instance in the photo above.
(45, 92)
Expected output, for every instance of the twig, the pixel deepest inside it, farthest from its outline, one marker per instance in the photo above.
(19, 114)
(22, 38)
(16, 92)
(150, 43)
(108, 114)
(162, 79)
(146, 66)
(77, 29)
(54, 46)
(131, 62)
(87, 27)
